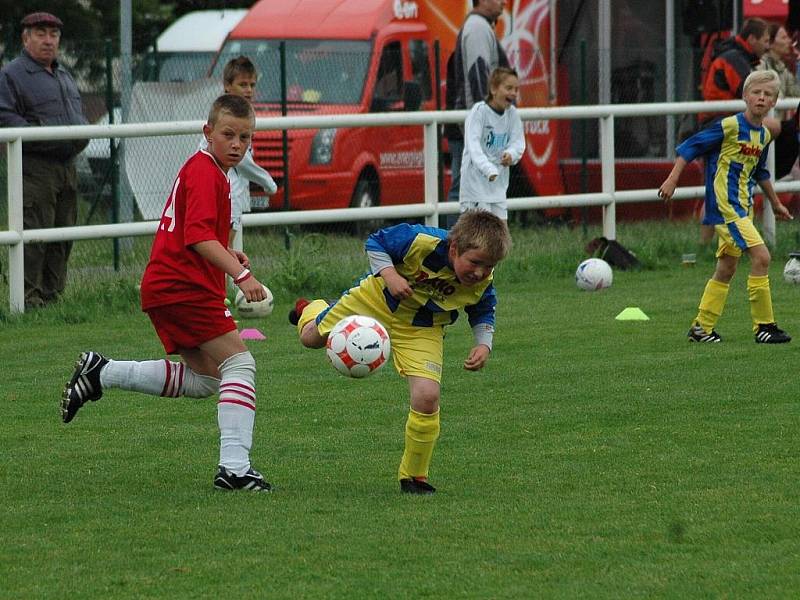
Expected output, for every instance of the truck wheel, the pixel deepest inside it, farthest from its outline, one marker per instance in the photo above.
(365, 195)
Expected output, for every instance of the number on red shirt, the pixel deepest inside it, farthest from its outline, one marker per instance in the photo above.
(169, 209)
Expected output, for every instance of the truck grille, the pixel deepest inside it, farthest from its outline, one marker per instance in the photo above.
(268, 152)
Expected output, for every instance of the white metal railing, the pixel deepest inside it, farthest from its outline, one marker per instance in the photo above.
(16, 235)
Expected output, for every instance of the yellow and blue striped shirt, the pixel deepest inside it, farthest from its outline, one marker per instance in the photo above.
(736, 153)
(420, 255)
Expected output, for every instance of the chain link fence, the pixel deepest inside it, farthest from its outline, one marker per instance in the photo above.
(326, 167)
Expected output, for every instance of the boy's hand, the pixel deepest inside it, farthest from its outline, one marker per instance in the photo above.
(505, 160)
(667, 189)
(477, 358)
(397, 285)
(252, 289)
(782, 212)
(241, 257)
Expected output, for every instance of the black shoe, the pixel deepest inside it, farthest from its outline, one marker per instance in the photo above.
(252, 481)
(416, 486)
(299, 306)
(84, 385)
(698, 334)
(768, 333)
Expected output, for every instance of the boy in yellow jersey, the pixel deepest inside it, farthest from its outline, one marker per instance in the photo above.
(420, 277)
(735, 149)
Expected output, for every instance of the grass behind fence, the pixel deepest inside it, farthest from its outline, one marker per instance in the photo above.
(329, 262)
(592, 458)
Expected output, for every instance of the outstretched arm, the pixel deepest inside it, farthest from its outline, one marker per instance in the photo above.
(777, 206)
(667, 188)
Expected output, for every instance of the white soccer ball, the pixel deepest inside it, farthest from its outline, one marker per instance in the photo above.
(593, 274)
(254, 310)
(358, 346)
(791, 272)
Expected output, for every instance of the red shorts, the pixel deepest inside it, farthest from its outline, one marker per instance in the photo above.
(189, 325)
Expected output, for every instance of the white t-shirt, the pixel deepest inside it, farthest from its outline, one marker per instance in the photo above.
(487, 135)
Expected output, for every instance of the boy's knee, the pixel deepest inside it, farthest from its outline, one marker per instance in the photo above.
(760, 258)
(199, 386)
(425, 396)
(761, 265)
(241, 365)
(726, 268)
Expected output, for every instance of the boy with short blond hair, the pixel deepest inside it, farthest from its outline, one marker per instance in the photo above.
(420, 277)
(183, 293)
(735, 150)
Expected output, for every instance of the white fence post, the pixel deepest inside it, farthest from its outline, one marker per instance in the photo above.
(608, 175)
(16, 252)
(430, 153)
(767, 214)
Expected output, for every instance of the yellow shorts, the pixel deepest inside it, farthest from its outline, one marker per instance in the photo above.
(737, 236)
(416, 351)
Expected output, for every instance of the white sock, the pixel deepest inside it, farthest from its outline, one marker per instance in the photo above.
(236, 411)
(158, 378)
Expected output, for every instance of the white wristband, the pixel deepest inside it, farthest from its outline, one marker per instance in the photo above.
(241, 277)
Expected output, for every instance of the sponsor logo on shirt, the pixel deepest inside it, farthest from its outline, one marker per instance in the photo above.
(434, 286)
(750, 150)
(496, 141)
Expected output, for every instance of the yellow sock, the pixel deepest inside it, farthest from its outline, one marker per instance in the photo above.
(422, 431)
(760, 300)
(711, 304)
(310, 312)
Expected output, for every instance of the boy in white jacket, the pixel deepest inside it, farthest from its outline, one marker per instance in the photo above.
(493, 141)
(239, 77)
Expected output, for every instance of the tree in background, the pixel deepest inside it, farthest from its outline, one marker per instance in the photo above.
(89, 23)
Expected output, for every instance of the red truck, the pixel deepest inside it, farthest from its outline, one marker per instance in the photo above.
(362, 56)
(371, 56)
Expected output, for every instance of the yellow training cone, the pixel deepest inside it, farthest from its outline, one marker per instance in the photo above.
(632, 313)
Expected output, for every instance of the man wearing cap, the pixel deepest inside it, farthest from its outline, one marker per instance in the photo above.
(36, 90)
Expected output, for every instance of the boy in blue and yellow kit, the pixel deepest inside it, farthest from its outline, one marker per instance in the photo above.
(736, 151)
(420, 277)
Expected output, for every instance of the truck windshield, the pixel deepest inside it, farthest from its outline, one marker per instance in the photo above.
(317, 71)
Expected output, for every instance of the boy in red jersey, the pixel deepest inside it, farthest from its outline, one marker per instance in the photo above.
(183, 293)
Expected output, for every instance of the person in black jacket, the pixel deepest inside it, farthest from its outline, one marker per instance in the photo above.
(36, 90)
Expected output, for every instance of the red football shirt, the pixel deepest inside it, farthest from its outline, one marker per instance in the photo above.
(197, 210)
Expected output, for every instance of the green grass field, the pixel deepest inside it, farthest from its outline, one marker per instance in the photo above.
(592, 458)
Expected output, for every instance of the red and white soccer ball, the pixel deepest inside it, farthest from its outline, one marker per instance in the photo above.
(593, 274)
(358, 346)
